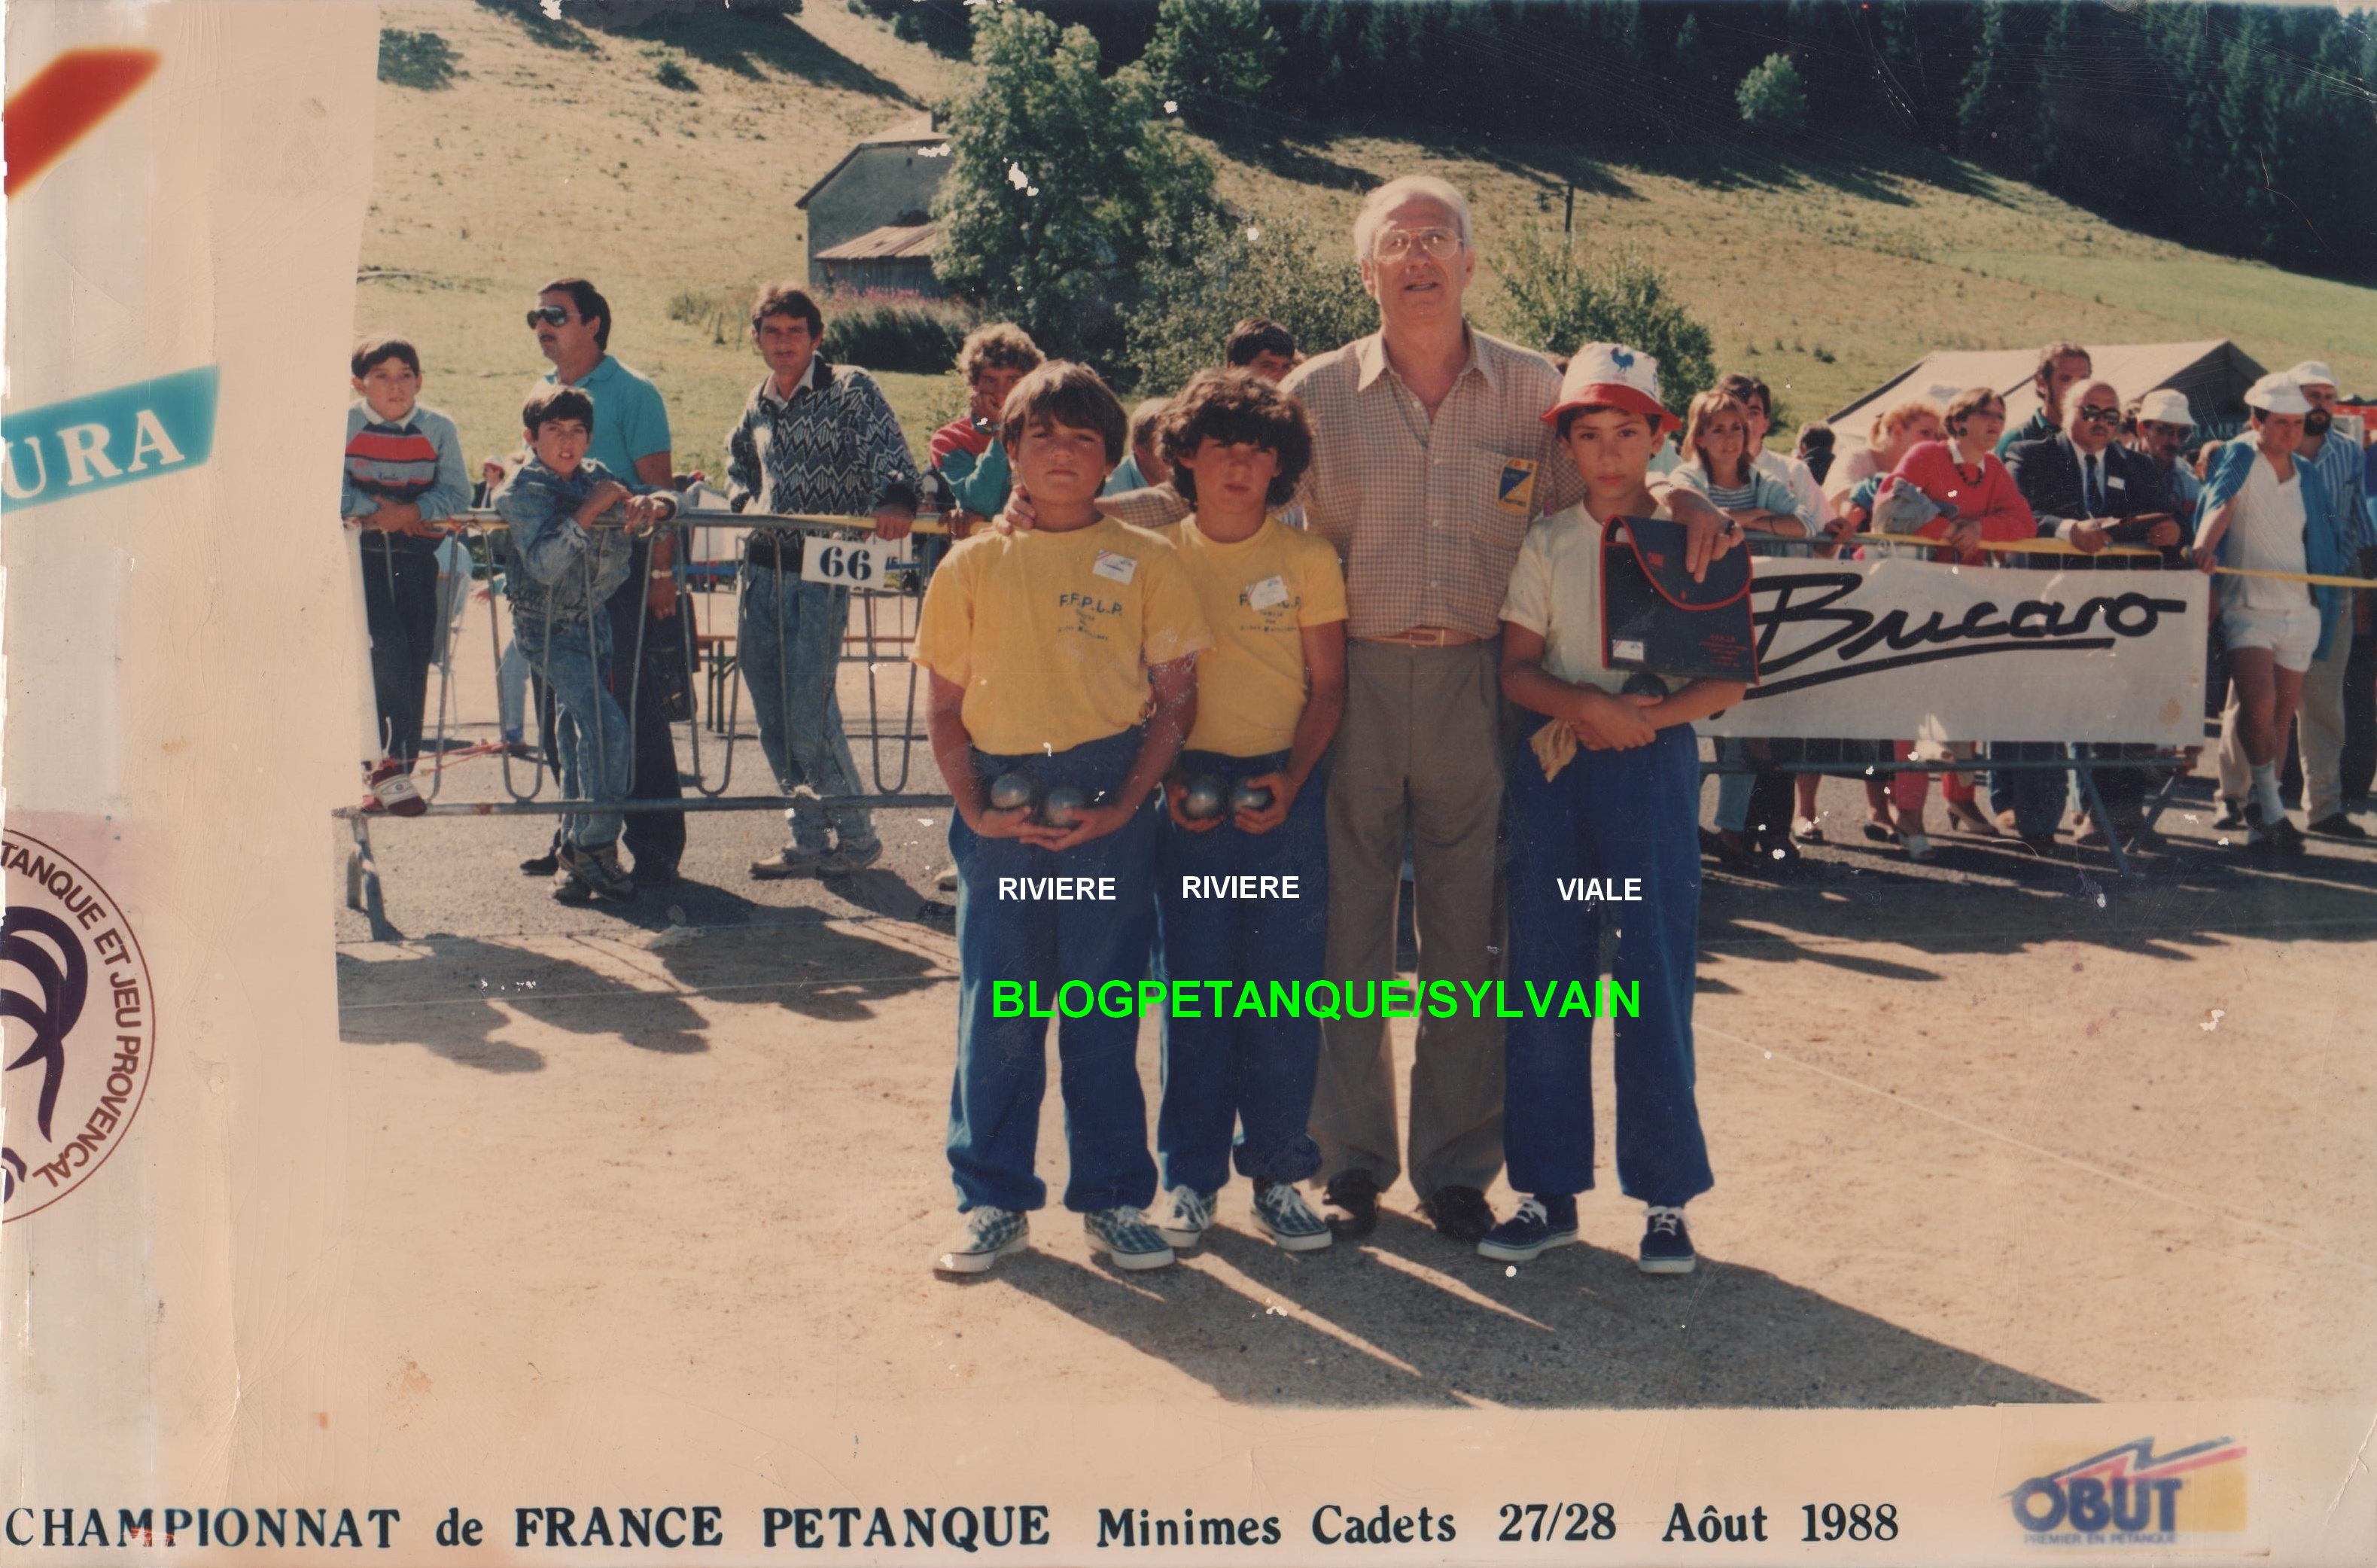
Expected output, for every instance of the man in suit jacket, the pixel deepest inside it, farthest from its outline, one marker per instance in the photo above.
(2083, 484)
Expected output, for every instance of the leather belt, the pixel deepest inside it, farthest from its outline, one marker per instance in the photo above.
(1427, 637)
(776, 552)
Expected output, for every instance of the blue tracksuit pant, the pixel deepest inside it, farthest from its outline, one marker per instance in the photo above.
(1613, 815)
(1002, 1070)
(1251, 1073)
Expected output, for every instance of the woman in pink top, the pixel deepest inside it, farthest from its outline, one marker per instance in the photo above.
(1962, 472)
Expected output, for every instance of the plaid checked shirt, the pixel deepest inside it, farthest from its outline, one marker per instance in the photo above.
(834, 447)
(1426, 515)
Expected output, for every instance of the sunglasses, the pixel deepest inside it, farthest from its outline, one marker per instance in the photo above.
(2091, 412)
(1437, 245)
(550, 316)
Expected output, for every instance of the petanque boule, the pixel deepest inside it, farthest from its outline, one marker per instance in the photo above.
(1202, 800)
(1010, 790)
(1063, 807)
(1245, 797)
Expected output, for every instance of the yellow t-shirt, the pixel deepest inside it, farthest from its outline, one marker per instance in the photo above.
(1258, 594)
(1051, 634)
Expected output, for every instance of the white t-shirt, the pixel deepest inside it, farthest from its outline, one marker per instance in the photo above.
(1815, 508)
(1555, 594)
(1848, 473)
(2266, 528)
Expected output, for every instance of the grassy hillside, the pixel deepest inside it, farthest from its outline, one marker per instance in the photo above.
(553, 149)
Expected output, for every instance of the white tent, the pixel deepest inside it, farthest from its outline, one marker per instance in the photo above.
(2214, 375)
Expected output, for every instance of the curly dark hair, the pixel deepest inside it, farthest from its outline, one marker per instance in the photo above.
(1231, 406)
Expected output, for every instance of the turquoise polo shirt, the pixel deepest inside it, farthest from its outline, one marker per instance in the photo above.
(630, 420)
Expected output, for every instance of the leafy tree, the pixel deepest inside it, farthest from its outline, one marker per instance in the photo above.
(1556, 298)
(1772, 99)
(1207, 50)
(1224, 270)
(1060, 185)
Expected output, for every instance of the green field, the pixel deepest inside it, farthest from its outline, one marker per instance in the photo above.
(557, 149)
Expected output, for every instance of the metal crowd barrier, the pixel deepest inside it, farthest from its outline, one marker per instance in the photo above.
(2076, 759)
(887, 616)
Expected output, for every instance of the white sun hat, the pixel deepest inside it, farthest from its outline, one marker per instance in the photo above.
(2278, 392)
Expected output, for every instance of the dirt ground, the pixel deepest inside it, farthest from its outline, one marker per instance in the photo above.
(1982, 1132)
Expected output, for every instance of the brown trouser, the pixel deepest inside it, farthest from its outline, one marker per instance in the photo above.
(1420, 748)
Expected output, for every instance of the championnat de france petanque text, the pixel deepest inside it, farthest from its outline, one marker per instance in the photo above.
(876, 1527)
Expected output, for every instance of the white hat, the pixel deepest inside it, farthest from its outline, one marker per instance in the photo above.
(2166, 405)
(2278, 393)
(1612, 376)
(2311, 373)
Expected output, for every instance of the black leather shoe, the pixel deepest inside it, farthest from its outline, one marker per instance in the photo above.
(2338, 826)
(1356, 1193)
(1461, 1213)
(544, 865)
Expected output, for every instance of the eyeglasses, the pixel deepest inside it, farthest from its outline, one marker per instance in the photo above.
(1437, 245)
(2091, 412)
(550, 316)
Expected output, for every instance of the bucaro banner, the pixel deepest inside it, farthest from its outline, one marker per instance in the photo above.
(1905, 649)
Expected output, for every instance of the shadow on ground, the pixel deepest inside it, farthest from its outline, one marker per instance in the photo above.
(1579, 1328)
(454, 996)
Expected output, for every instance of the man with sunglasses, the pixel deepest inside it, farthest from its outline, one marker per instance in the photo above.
(2089, 490)
(572, 323)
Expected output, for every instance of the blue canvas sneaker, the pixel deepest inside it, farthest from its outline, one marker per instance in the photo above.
(1125, 1234)
(1667, 1245)
(1545, 1221)
(1188, 1215)
(1288, 1220)
(984, 1236)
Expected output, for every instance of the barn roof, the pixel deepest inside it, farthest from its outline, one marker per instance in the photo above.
(891, 240)
(916, 131)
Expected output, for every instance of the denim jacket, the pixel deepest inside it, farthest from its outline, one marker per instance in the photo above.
(2328, 538)
(565, 573)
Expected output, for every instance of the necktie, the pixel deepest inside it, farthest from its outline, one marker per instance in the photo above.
(2095, 490)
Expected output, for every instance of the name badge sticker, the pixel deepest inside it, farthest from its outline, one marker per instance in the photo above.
(1625, 648)
(1515, 491)
(1116, 569)
(1271, 592)
(2115, 481)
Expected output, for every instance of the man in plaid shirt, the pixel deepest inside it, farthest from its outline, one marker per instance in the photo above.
(814, 437)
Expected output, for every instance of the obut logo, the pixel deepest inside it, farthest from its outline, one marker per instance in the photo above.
(79, 1029)
(2132, 1496)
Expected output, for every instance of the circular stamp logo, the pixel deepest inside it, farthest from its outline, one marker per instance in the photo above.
(77, 1025)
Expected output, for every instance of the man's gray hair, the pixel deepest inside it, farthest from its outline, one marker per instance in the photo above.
(1393, 193)
(2085, 384)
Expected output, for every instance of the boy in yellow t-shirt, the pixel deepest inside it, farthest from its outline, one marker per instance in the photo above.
(1242, 883)
(1064, 663)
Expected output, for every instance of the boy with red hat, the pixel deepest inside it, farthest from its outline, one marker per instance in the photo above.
(1606, 793)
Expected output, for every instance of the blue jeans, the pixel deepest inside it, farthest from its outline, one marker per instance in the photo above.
(1613, 815)
(788, 642)
(1002, 1070)
(573, 659)
(1254, 1073)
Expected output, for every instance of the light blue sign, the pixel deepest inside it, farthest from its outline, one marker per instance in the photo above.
(118, 436)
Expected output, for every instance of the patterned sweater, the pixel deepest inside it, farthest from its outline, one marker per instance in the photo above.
(834, 447)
